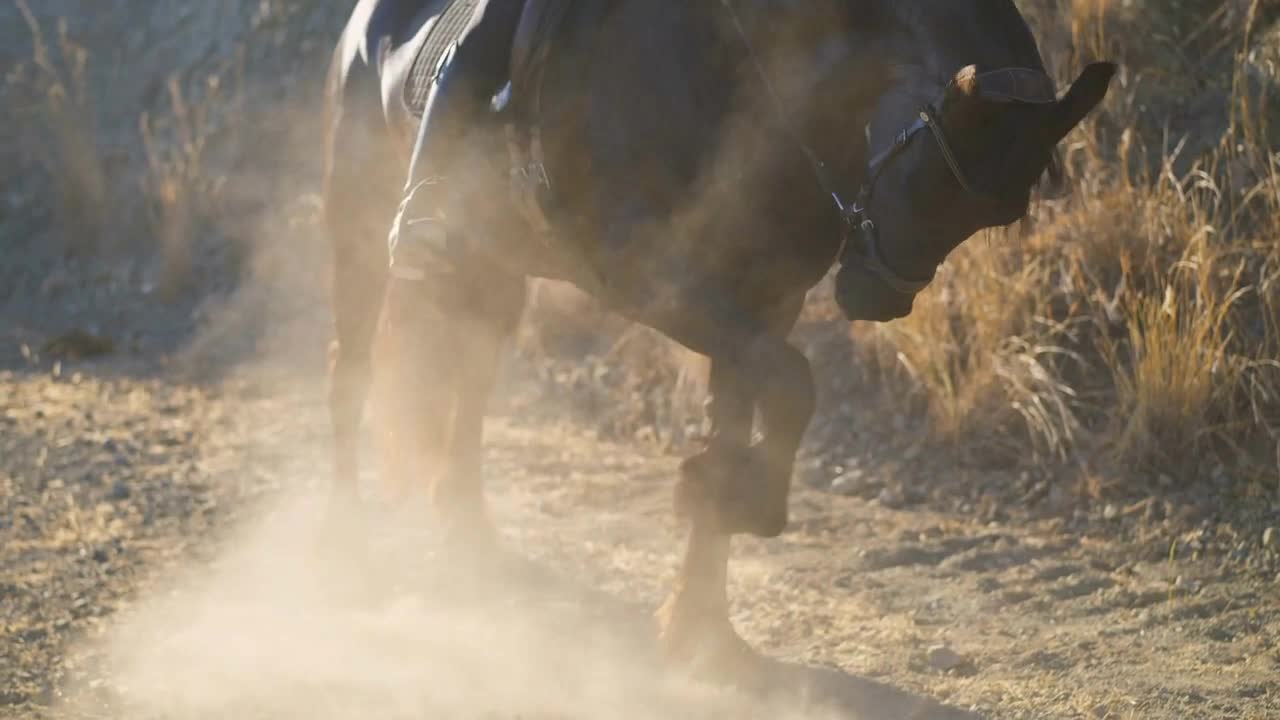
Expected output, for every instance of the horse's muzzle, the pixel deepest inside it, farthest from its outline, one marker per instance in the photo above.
(862, 295)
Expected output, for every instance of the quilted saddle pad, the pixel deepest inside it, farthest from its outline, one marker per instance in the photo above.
(448, 28)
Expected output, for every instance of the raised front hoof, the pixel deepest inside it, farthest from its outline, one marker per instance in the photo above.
(704, 646)
(731, 490)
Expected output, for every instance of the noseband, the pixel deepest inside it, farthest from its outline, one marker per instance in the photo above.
(866, 251)
(1020, 85)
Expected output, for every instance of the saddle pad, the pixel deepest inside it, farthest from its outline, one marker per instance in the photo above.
(448, 28)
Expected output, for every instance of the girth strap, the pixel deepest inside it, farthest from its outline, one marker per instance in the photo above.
(530, 183)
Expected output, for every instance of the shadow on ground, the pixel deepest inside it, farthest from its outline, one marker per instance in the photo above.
(268, 630)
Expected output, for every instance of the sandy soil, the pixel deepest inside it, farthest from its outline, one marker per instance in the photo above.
(159, 558)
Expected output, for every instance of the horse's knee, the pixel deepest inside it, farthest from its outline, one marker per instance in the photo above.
(734, 490)
(738, 488)
(771, 520)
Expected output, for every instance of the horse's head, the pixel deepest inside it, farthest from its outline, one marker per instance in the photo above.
(947, 168)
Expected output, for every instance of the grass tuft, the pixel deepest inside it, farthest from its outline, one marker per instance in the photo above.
(57, 123)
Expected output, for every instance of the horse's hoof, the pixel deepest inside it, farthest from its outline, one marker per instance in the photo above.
(732, 490)
(705, 646)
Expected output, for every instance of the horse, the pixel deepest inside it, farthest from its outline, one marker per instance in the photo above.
(711, 163)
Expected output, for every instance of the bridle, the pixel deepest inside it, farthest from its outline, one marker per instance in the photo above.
(860, 240)
(865, 249)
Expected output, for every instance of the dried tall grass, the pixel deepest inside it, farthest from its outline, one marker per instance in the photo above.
(96, 202)
(1139, 321)
(181, 193)
(59, 134)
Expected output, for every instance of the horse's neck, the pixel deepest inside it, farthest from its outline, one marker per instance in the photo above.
(820, 70)
(888, 60)
(890, 57)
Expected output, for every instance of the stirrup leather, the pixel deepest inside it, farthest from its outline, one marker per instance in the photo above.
(529, 184)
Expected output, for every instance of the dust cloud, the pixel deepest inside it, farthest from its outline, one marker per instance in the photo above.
(277, 625)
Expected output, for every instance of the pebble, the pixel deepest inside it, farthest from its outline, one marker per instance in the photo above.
(814, 475)
(849, 483)
(1110, 512)
(1240, 553)
(944, 658)
(890, 498)
(119, 491)
(1057, 497)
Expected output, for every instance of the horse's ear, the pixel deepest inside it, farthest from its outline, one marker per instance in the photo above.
(1086, 92)
(964, 86)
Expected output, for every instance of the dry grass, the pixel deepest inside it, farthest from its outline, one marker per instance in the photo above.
(1139, 320)
(95, 198)
(56, 121)
(182, 194)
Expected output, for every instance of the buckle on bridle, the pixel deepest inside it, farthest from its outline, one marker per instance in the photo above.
(852, 214)
(865, 245)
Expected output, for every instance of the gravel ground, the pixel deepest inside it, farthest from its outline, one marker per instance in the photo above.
(156, 560)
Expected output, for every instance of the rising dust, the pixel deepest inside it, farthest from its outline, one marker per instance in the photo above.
(273, 627)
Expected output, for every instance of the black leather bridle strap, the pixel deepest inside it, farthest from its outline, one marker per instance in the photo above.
(853, 215)
(870, 255)
(928, 117)
(878, 162)
(816, 164)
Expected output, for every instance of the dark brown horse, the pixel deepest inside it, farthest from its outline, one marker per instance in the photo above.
(710, 161)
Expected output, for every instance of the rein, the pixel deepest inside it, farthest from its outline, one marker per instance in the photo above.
(1011, 85)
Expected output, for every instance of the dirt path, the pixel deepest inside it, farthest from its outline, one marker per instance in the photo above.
(156, 561)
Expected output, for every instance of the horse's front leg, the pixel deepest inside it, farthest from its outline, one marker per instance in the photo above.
(486, 315)
(694, 621)
(736, 487)
(441, 349)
